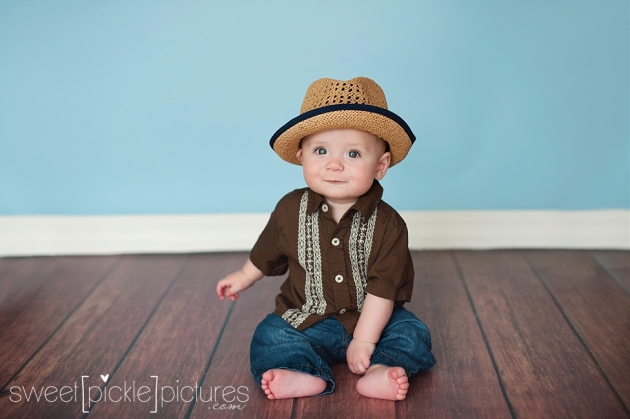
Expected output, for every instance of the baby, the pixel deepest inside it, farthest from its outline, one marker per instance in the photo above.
(350, 270)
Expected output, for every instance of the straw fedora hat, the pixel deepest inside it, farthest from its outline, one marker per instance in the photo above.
(358, 103)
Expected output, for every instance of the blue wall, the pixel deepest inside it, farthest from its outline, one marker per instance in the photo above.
(161, 107)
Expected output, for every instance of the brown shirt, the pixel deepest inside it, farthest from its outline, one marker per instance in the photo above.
(331, 266)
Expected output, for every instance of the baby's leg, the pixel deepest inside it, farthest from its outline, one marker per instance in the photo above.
(382, 382)
(403, 350)
(284, 362)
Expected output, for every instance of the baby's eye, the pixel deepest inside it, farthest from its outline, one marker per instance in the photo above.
(353, 154)
(320, 150)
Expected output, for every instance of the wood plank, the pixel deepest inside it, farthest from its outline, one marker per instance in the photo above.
(230, 364)
(595, 305)
(17, 274)
(94, 339)
(544, 368)
(344, 402)
(544, 335)
(463, 383)
(176, 343)
(28, 317)
(617, 264)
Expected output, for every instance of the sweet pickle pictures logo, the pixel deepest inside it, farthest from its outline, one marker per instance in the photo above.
(149, 391)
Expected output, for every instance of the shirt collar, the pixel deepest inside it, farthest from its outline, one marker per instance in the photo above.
(366, 204)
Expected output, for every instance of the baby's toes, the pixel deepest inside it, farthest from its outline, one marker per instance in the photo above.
(398, 374)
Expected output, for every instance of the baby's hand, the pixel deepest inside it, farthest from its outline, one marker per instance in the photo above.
(232, 284)
(358, 355)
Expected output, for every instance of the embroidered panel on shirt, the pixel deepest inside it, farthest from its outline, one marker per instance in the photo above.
(295, 316)
(310, 259)
(359, 247)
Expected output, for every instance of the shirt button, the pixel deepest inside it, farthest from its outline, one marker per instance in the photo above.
(343, 310)
(325, 208)
(335, 241)
(339, 279)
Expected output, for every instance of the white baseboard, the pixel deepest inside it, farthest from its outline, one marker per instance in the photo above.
(593, 229)
(100, 235)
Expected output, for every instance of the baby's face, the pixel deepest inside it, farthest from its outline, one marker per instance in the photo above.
(341, 164)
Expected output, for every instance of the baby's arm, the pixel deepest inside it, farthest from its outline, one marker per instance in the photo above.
(374, 316)
(238, 281)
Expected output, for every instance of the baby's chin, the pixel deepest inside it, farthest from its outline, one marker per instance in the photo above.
(334, 190)
(340, 189)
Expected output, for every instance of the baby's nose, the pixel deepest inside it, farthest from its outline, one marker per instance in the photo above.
(334, 163)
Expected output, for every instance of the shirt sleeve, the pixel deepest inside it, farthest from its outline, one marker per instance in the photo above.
(266, 254)
(391, 274)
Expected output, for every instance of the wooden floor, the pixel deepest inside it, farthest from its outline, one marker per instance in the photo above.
(516, 334)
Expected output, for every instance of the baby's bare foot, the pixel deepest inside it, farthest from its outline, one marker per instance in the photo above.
(381, 382)
(286, 384)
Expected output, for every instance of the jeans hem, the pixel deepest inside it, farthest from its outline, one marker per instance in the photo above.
(381, 358)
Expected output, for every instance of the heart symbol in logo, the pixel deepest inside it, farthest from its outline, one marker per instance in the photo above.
(105, 377)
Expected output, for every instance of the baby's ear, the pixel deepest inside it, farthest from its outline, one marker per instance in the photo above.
(383, 165)
(298, 155)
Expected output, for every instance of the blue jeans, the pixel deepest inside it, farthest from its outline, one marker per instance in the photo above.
(405, 342)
